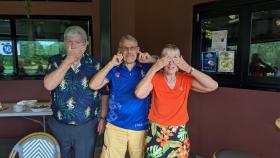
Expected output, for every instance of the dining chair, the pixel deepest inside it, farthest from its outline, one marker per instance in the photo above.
(232, 153)
(194, 155)
(36, 145)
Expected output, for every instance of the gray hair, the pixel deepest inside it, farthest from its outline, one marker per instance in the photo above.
(169, 47)
(74, 30)
(129, 38)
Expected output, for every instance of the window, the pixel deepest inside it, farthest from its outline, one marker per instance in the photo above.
(219, 44)
(265, 44)
(6, 54)
(24, 52)
(238, 43)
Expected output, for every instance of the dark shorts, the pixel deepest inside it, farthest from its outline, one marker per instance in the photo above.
(166, 141)
(80, 139)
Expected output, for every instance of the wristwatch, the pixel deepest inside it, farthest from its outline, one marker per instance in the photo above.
(102, 118)
(192, 69)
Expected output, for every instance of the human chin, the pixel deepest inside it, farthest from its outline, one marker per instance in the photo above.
(130, 59)
(170, 69)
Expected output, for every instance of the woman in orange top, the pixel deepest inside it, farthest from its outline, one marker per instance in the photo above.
(167, 134)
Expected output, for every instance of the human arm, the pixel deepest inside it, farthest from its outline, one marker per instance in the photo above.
(99, 79)
(104, 110)
(146, 58)
(53, 79)
(201, 82)
(145, 86)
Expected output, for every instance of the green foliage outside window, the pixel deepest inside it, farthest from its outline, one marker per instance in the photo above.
(33, 55)
(36, 40)
(6, 64)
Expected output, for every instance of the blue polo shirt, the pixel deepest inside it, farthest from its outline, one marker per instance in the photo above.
(72, 101)
(125, 109)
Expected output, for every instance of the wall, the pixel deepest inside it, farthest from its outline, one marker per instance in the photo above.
(235, 118)
(122, 20)
(162, 22)
(226, 118)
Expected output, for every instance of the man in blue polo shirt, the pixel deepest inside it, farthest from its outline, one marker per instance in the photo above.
(127, 115)
(74, 104)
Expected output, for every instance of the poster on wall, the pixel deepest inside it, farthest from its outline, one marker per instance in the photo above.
(219, 40)
(226, 61)
(209, 61)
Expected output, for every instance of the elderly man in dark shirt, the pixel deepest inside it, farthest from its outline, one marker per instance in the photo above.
(74, 104)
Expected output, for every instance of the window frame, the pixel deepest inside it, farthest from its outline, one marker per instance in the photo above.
(244, 10)
(14, 37)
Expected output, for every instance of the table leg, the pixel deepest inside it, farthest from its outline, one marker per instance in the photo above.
(44, 123)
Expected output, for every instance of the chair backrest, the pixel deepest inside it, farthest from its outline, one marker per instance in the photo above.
(193, 155)
(277, 122)
(232, 153)
(36, 145)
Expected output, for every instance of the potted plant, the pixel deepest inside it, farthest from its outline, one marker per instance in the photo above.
(27, 7)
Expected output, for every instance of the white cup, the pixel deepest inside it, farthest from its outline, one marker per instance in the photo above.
(18, 108)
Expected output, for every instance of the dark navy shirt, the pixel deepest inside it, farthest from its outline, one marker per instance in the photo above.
(73, 102)
(125, 109)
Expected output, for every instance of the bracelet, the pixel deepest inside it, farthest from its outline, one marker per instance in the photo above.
(192, 69)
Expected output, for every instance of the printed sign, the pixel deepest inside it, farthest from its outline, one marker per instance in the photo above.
(219, 40)
(6, 48)
(226, 61)
(209, 61)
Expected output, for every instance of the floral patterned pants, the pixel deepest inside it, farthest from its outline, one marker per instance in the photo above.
(166, 141)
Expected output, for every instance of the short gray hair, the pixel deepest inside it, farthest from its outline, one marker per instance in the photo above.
(74, 30)
(129, 38)
(170, 47)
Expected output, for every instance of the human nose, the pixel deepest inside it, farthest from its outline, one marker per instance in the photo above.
(70, 44)
(129, 50)
(171, 62)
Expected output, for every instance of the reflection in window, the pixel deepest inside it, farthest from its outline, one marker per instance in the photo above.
(219, 43)
(33, 55)
(36, 40)
(265, 44)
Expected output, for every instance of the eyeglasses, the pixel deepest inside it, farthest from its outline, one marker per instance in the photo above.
(126, 49)
(75, 42)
